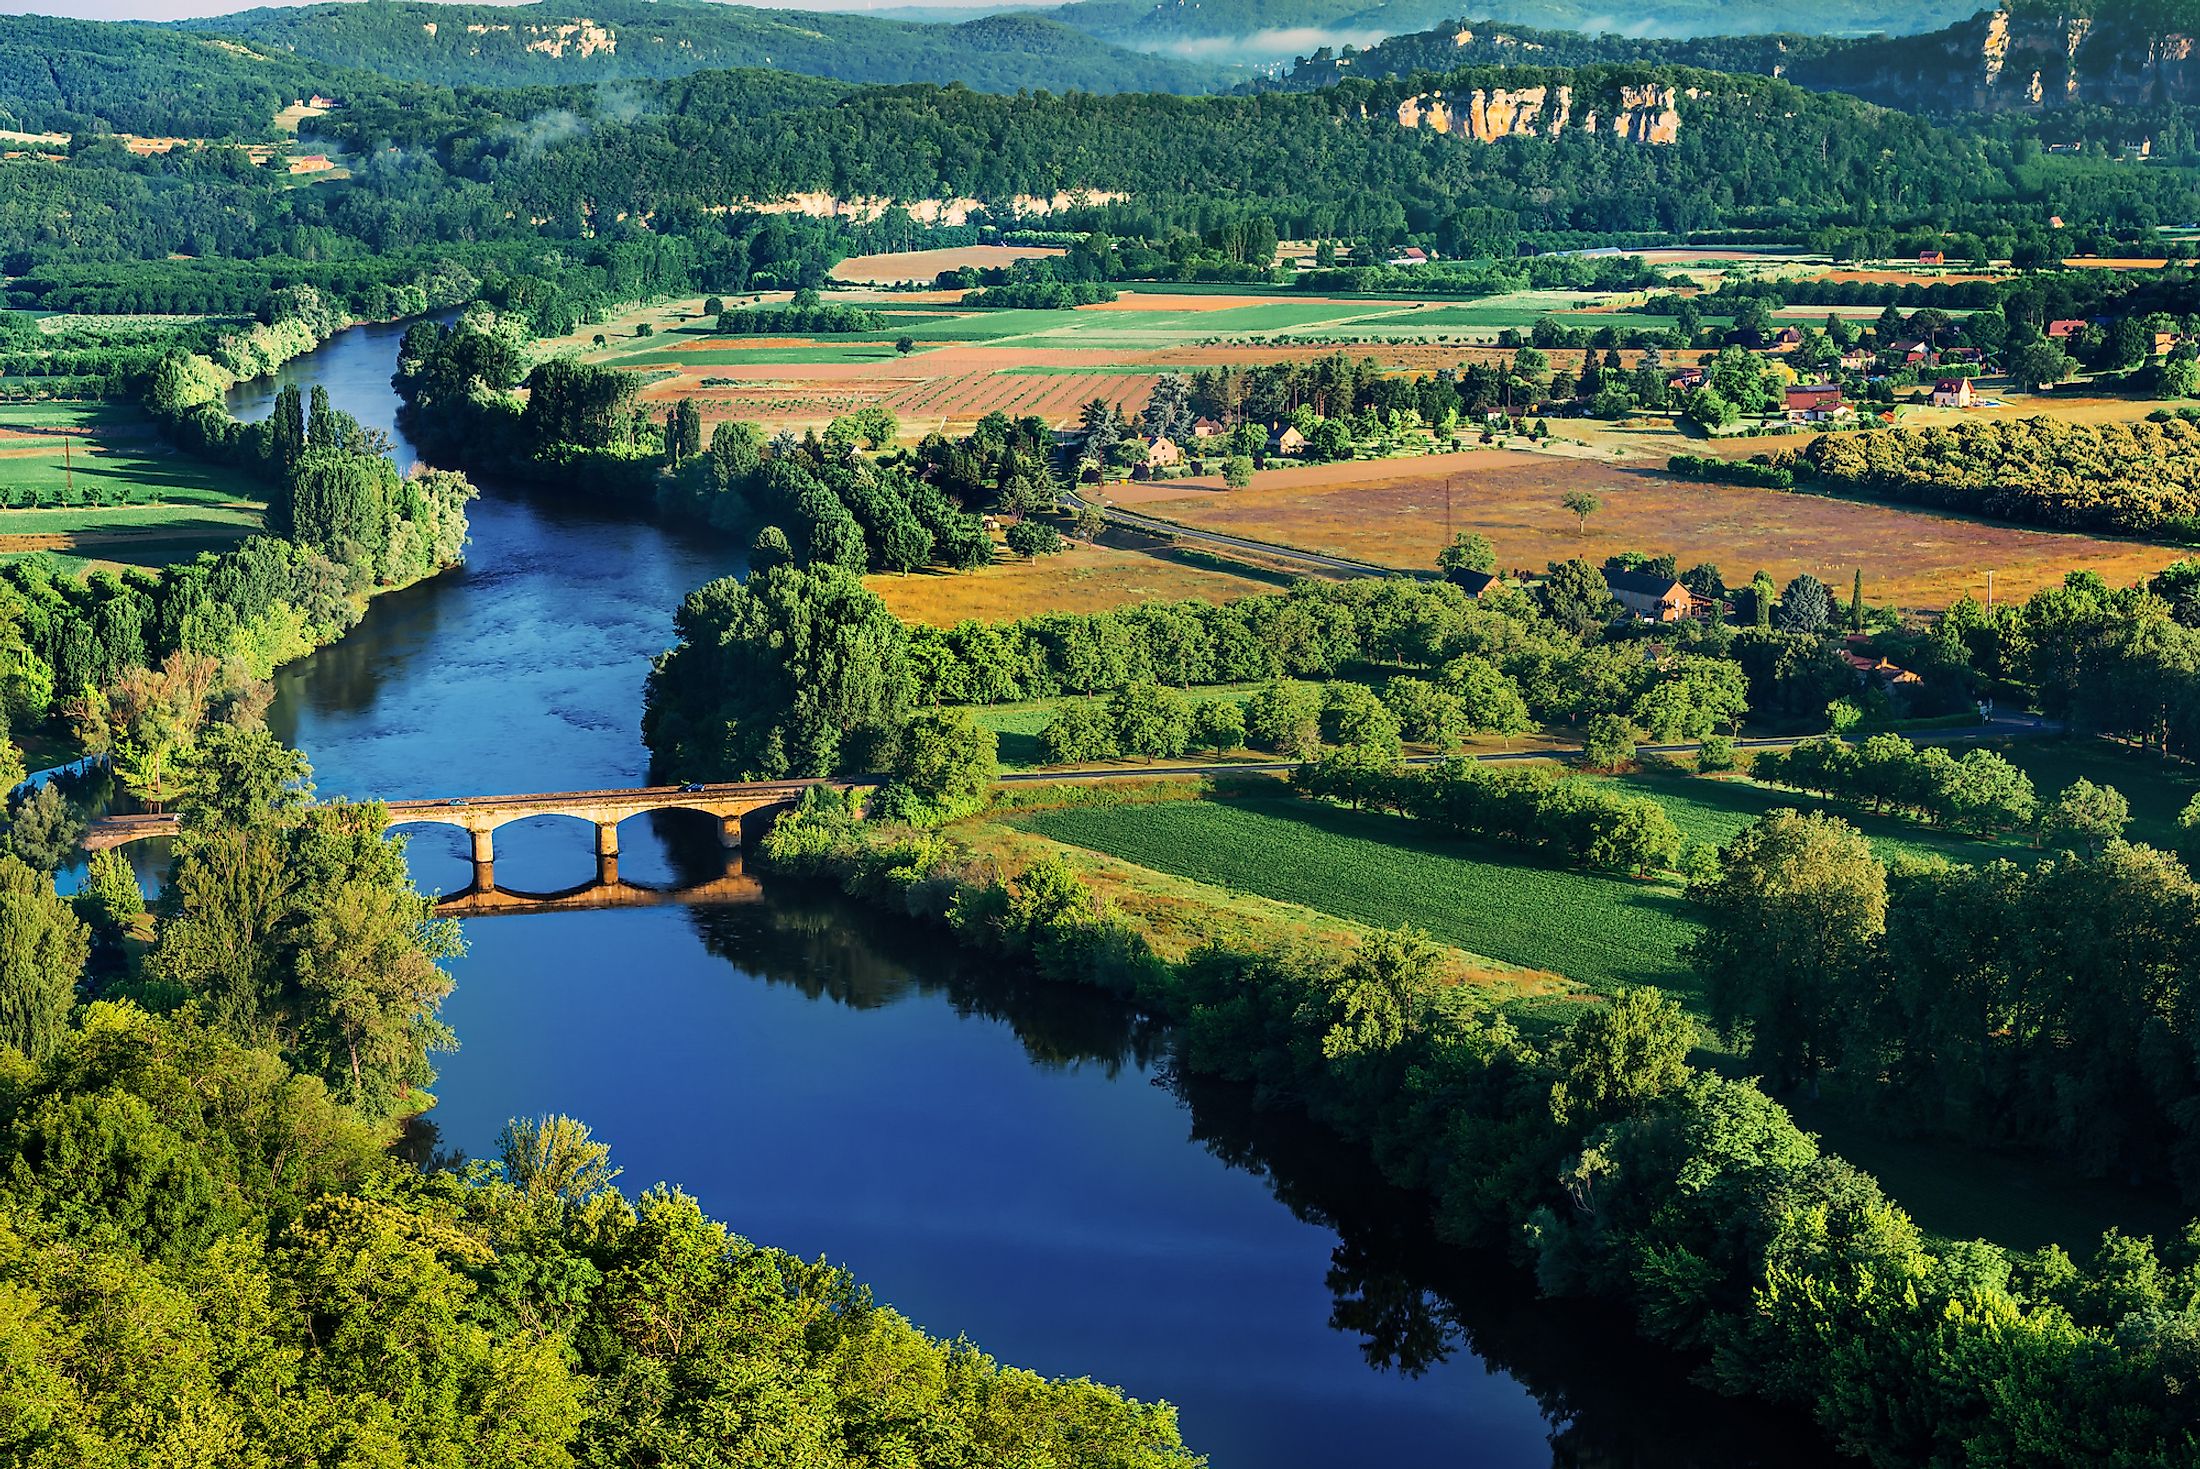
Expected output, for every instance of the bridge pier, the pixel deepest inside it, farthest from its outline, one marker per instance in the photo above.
(607, 839)
(485, 877)
(607, 868)
(729, 832)
(485, 848)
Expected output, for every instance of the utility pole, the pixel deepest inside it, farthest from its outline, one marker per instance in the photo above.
(1989, 591)
(68, 468)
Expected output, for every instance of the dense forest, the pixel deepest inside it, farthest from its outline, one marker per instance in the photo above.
(1749, 152)
(83, 76)
(1271, 28)
(558, 42)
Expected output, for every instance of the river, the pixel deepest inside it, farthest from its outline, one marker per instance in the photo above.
(995, 1158)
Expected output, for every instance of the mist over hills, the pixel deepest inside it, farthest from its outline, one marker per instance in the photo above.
(553, 42)
(1258, 30)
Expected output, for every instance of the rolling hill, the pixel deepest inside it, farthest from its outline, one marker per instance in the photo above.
(554, 42)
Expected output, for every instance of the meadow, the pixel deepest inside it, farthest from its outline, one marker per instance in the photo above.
(162, 507)
(1393, 512)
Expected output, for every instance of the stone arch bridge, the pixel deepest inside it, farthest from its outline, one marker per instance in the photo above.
(484, 816)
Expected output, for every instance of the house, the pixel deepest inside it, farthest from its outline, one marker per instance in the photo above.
(1783, 339)
(1954, 392)
(2063, 331)
(1162, 453)
(1476, 584)
(1290, 441)
(324, 103)
(1650, 597)
(1911, 351)
(1962, 356)
(1410, 255)
(1856, 359)
(311, 163)
(1870, 669)
(1206, 428)
(1686, 380)
(2164, 341)
(1932, 257)
(1816, 403)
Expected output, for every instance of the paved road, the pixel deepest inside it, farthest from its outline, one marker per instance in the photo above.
(1313, 561)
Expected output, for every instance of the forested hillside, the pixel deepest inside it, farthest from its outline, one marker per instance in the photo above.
(70, 76)
(559, 41)
(1747, 152)
(1275, 27)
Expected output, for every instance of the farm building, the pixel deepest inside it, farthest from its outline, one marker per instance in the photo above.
(1206, 428)
(1476, 584)
(2063, 331)
(1651, 597)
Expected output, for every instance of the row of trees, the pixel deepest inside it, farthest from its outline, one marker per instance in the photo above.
(1978, 792)
(1583, 822)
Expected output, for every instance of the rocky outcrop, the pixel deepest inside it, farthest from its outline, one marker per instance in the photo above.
(1648, 114)
(926, 211)
(2028, 55)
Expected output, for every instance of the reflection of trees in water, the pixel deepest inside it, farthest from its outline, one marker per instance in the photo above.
(829, 949)
(1612, 1400)
(1414, 1303)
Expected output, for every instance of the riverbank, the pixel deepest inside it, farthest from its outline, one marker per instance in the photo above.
(1598, 1156)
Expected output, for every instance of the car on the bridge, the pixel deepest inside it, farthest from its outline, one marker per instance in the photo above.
(691, 788)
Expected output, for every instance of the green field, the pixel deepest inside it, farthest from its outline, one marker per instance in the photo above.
(1602, 932)
(169, 507)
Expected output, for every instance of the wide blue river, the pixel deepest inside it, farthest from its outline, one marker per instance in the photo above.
(994, 1158)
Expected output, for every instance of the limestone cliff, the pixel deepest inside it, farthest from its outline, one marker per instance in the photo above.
(2029, 55)
(1639, 114)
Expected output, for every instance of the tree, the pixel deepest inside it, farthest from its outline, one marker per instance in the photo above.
(1149, 720)
(43, 949)
(1856, 602)
(2085, 817)
(1620, 1057)
(232, 776)
(1285, 716)
(1079, 733)
(1607, 742)
(1575, 596)
(1032, 539)
(945, 768)
(2040, 364)
(1698, 697)
(1489, 701)
(1237, 471)
(1789, 925)
(796, 671)
(905, 345)
(1468, 551)
(1355, 717)
(553, 1159)
(1218, 725)
(1581, 504)
(1806, 606)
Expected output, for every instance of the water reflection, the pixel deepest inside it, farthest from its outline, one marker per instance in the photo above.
(1408, 1302)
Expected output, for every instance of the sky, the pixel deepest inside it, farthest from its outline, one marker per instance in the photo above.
(180, 9)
